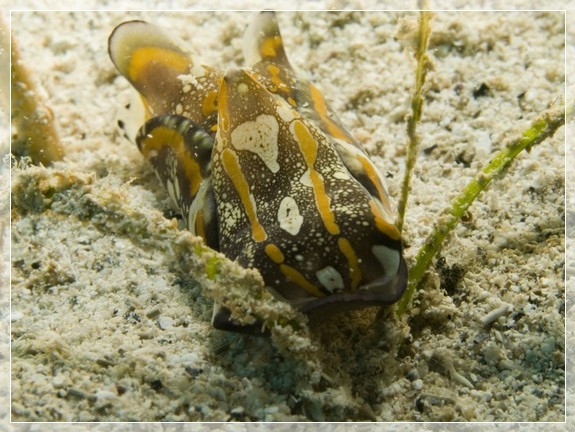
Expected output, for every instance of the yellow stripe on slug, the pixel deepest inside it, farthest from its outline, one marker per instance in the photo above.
(291, 273)
(145, 56)
(273, 69)
(164, 136)
(354, 271)
(147, 108)
(308, 147)
(382, 225)
(199, 225)
(209, 103)
(269, 46)
(223, 110)
(274, 72)
(373, 176)
(232, 166)
(274, 253)
(320, 106)
(300, 280)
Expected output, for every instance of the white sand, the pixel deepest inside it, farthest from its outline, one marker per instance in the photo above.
(109, 325)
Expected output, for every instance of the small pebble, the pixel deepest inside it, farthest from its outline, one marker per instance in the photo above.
(59, 381)
(468, 412)
(237, 411)
(271, 410)
(165, 322)
(105, 394)
(413, 374)
(104, 398)
(495, 314)
(492, 353)
(457, 377)
(417, 384)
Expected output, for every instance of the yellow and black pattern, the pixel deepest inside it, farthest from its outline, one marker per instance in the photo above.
(180, 153)
(264, 171)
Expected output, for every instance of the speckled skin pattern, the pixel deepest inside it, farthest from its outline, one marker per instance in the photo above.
(263, 170)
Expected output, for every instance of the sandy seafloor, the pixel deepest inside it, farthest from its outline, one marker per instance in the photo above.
(108, 323)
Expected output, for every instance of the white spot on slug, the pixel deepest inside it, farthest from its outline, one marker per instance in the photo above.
(242, 88)
(305, 179)
(260, 137)
(289, 216)
(284, 111)
(340, 175)
(389, 259)
(330, 279)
